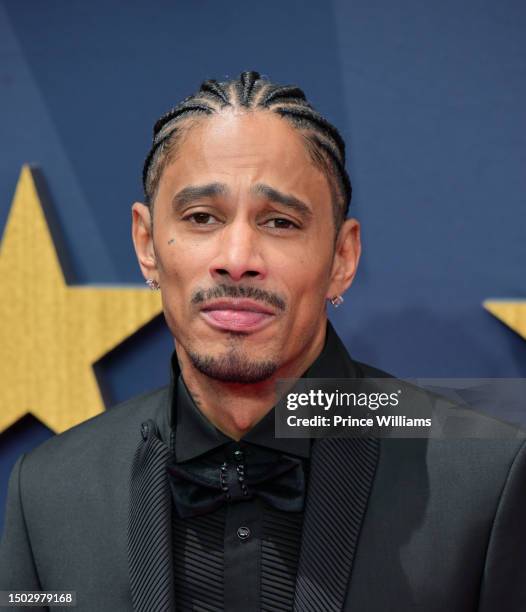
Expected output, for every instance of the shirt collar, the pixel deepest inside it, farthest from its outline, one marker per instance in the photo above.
(195, 434)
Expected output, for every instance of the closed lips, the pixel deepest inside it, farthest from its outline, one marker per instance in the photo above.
(241, 315)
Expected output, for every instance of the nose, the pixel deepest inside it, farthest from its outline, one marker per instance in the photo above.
(239, 256)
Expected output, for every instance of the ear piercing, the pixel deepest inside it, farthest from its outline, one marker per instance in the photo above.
(336, 300)
(153, 284)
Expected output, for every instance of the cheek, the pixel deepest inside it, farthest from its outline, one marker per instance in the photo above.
(304, 270)
(183, 258)
(306, 289)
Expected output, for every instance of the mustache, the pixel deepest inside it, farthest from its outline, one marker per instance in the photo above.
(239, 291)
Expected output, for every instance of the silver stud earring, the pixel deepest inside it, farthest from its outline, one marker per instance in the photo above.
(153, 284)
(336, 300)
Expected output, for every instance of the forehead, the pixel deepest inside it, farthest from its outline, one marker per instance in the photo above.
(246, 146)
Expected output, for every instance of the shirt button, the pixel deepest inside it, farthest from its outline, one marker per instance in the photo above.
(239, 455)
(243, 533)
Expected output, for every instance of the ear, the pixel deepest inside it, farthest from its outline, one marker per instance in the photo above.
(346, 257)
(142, 235)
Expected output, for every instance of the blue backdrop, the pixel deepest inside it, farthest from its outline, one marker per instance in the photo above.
(430, 97)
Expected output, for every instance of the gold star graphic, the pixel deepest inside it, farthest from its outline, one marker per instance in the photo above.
(52, 333)
(511, 312)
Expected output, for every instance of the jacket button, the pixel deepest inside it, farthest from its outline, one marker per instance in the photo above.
(145, 430)
(243, 533)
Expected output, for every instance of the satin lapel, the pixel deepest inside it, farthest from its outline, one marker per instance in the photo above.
(341, 477)
(342, 474)
(149, 528)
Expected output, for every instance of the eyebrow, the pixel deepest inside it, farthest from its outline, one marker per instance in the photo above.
(196, 192)
(281, 198)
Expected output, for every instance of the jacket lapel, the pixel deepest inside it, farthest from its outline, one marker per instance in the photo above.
(341, 477)
(150, 544)
(342, 474)
(149, 527)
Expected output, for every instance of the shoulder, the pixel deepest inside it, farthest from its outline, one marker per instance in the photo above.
(99, 441)
(368, 371)
(460, 434)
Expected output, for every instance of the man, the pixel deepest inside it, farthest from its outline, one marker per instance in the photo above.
(183, 498)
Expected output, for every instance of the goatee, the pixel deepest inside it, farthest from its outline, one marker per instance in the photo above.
(234, 367)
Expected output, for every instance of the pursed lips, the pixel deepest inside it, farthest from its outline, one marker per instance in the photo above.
(238, 314)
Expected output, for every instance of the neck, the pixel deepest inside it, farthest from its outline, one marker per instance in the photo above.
(234, 408)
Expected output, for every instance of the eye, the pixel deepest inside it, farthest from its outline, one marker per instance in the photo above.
(201, 218)
(281, 223)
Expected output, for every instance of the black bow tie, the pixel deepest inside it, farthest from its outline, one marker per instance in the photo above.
(234, 474)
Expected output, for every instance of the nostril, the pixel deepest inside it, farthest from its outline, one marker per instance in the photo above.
(247, 273)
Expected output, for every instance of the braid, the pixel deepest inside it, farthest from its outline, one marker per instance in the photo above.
(215, 89)
(245, 87)
(304, 117)
(323, 141)
(277, 92)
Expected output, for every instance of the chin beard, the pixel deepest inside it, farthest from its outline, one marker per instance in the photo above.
(233, 367)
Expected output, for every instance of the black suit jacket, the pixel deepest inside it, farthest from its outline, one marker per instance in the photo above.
(390, 525)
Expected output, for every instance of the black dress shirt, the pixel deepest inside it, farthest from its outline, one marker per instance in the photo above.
(244, 556)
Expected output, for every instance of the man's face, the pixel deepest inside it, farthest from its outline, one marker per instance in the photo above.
(243, 243)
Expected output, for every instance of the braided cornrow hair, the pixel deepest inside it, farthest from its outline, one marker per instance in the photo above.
(323, 141)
